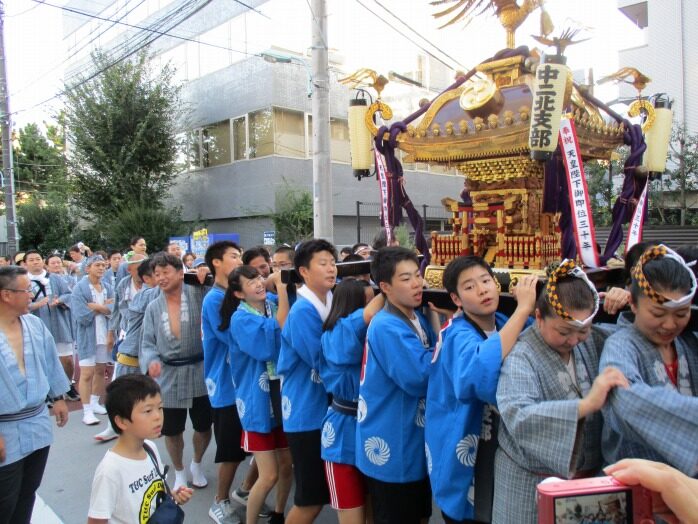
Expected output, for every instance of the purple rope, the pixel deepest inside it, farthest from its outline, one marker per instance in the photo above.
(556, 200)
(626, 201)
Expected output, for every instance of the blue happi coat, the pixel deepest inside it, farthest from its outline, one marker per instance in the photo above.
(303, 396)
(340, 367)
(392, 391)
(463, 380)
(43, 376)
(57, 318)
(652, 419)
(84, 317)
(219, 380)
(255, 340)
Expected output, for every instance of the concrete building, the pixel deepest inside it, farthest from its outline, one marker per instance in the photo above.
(669, 54)
(249, 126)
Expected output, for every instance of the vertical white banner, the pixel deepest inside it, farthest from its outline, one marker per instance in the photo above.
(638, 221)
(382, 176)
(580, 205)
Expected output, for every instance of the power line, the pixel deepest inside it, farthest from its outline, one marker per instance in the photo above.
(76, 51)
(97, 28)
(252, 9)
(125, 45)
(161, 33)
(127, 55)
(421, 36)
(23, 12)
(403, 34)
(40, 2)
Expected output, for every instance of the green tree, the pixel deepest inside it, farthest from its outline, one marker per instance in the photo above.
(600, 191)
(122, 128)
(46, 228)
(39, 167)
(153, 224)
(293, 218)
(682, 172)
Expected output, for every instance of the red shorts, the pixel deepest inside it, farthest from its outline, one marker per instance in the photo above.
(252, 441)
(347, 486)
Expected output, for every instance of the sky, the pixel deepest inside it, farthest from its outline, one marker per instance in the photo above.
(35, 49)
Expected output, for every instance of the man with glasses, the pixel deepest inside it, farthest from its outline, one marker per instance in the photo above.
(29, 372)
(283, 258)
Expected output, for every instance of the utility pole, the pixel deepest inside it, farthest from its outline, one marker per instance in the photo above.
(322, 168)
(6, 124)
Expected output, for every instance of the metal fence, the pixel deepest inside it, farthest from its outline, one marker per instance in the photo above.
(368, 219)
(672, 236)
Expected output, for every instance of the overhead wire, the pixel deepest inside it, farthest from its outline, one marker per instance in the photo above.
(134, 40)
(23, 12)
(252, 9)
(386, 22)
(150, 29)
(157, 33)
(421, 36)
(77, 51)
(93, 30)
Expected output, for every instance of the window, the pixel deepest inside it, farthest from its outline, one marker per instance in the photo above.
(261, 133)
(215, 144)
(193, 151)
(289, 133)
(339, 140)
(240, 138)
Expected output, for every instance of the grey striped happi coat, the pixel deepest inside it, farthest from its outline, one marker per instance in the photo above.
(540, 435)
(178, 384)
(653, 419)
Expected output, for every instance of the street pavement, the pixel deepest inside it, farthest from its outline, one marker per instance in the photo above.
(74, 455)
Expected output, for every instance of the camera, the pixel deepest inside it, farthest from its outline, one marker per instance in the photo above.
(592, 500)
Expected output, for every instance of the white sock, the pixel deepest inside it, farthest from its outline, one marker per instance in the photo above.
(180, 476)
(87, 408)
(94, 399)
(195, 467)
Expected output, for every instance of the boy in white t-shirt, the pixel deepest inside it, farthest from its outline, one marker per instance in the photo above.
(127, 487)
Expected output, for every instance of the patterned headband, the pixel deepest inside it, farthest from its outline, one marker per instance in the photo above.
(93, 259)
(639, 277)
(568, 268)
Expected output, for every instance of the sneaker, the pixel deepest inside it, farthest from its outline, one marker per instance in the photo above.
(106, 435)
(266, 512)
(72, 394)
(240, 496)
(89, 419)
(99, 409)
(222, 513)
(198, 480)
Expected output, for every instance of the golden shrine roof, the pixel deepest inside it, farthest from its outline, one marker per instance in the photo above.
(489, 117)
